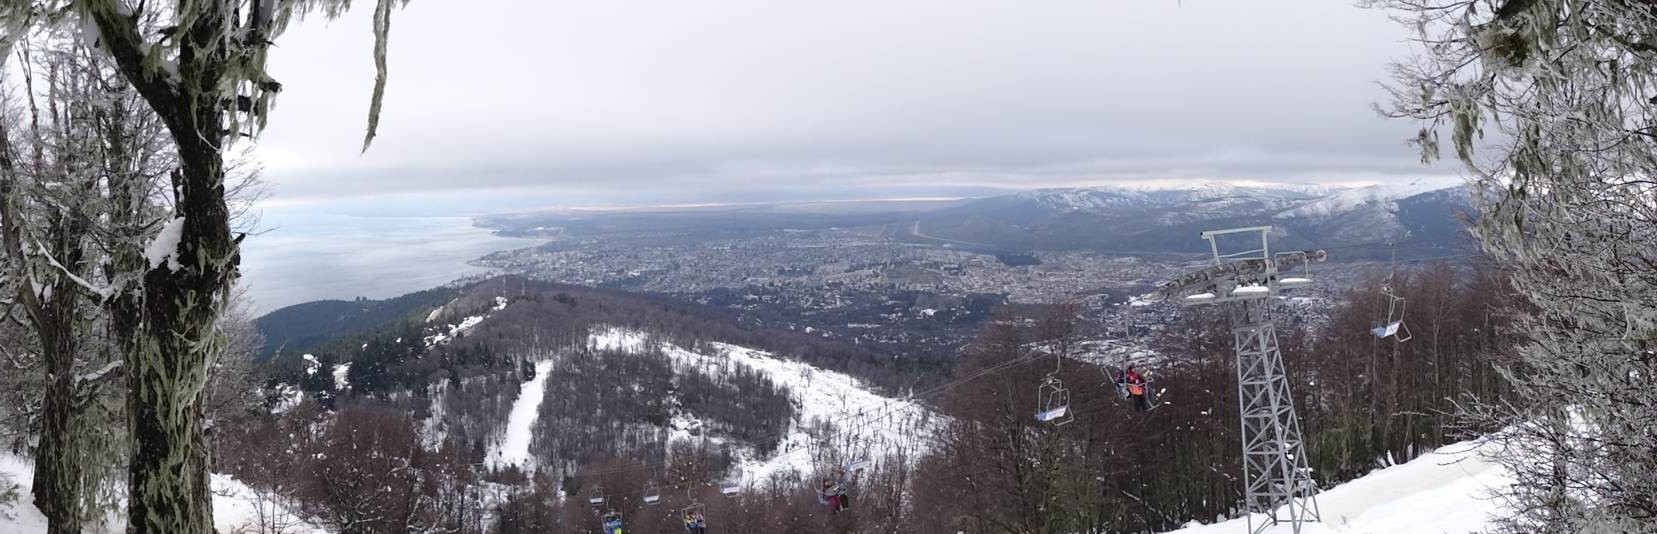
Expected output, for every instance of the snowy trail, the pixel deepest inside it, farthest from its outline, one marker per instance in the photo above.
(513, 448)
(1441, 492)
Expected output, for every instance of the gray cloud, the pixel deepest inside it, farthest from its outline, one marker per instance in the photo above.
(555, 101)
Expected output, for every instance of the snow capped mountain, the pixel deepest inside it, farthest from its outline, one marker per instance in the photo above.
(1131, 220)
(1219, 198)
(1347, 199)
(1091, 198)
(1210, 195)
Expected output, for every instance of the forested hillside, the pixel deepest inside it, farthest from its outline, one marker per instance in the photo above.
(439, 384)
(303, 327)
(641, 395)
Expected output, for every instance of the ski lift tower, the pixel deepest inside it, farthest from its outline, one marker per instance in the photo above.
(1276, 476)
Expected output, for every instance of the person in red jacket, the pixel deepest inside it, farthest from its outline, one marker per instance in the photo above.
(1133, 386)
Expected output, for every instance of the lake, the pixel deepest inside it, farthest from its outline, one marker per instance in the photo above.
(314, 256)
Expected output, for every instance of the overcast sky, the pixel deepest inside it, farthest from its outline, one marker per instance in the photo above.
(510, 104)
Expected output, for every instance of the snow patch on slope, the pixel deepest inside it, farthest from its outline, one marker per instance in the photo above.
(465, 325)
(342, 383)
(1445, 491)
(431, 429)
(881, 423)
(513, 447)
(19, 515)
(237, 508)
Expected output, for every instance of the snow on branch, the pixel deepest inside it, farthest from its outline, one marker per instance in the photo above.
(102, 292)
(99, 374)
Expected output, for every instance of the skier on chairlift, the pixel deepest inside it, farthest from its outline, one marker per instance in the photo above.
(612, 523)
(833, 493)
(1132, 385)
(695, 522)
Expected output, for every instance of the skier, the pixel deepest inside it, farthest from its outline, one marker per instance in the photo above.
(1132, 385)
(833, 494)
(695, 522)
(612, 523)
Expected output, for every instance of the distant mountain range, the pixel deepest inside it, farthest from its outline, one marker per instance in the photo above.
(1420, 218)
(1424, 219)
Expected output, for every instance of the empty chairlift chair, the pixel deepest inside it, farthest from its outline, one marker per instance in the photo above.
(652, 493)
(1053, 402)
(730, 486)
(1393, 326)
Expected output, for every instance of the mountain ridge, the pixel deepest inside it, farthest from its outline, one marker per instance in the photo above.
(1132, 221)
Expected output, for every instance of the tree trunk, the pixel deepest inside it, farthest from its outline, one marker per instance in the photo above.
(53, 318)
(168, 367)
(168, 371)
(57, 475)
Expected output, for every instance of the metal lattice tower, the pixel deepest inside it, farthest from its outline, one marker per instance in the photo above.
(1276, 476)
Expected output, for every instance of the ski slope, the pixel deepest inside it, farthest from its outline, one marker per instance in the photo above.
(880, 423)
(513, 446)
(1442, 492)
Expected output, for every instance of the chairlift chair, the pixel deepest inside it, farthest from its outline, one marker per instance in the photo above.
(1394, 326)
(695, 512)
(1053, 402)
(596, 497)
(652, 493)
(857, 464)
(730, 486)
(611, 521)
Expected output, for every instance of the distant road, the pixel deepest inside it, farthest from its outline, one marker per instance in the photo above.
(914, 234)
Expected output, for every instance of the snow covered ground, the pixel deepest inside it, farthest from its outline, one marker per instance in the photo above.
(1115, 353)
(513, 446)
(1443, 492)
(881, 423)
(235, 506)
(465, 325)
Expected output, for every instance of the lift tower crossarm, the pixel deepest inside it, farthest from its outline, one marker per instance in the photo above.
(1223, 279)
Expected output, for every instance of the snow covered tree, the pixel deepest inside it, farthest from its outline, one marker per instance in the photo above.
(58, 202)
(200, 65)
(1552, 107)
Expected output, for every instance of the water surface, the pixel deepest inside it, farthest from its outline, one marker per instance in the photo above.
(302, 257)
